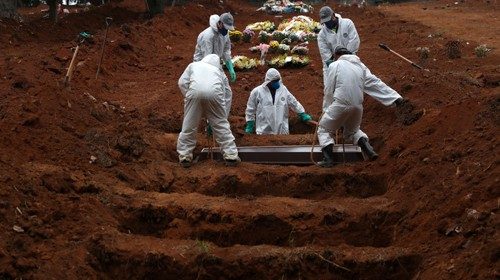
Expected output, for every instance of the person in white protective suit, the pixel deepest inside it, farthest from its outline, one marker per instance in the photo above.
(215, 40)
(338, 31)
(204, 85)
(268, 106)
(343, 104)
(334, 32)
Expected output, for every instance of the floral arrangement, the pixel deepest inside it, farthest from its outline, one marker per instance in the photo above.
(242, 62)
(276, 47)
(285, 6)
(286, 41)
(273, 45)
(262, 26)
(248, 35)
(288, 61)
(300, 28)
(264, 37)
(279, 35)
(302, 23)
(235, 36)
(277, 61)
(283, 48)
(300, 50)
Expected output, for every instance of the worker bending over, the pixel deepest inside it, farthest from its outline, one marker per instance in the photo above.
(346, 80)
(204, 86)
(268, 106)
(337, 31)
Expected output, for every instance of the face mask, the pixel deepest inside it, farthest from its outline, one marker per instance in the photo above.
(223, 31)
(331, 24)
(274, 84)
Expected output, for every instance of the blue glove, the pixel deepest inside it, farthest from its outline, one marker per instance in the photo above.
(209, 130)
(304, 117)
(328, 62)
(249, 127)
(230, 67)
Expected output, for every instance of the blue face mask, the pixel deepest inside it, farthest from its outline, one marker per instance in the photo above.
(223, 31)
(274, 84)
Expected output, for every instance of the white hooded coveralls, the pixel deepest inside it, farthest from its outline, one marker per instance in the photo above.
(204, 89)
(328, 39)
(271, 118)
(343, 100)
(348, 37)
(210, 41)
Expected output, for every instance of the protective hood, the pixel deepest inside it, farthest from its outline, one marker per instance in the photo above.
(214, 19)
(351, 58)
(212, 59)
(271, 75)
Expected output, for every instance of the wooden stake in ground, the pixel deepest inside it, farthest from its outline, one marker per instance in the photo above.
(71, 67)
(80, 40)
(108, 23)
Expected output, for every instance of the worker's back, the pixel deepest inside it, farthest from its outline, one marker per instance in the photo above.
(349, 80)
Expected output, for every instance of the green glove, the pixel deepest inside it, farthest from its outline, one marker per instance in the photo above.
(249, 127)
(230, 67)
(328, 62)
(304, 117)
(209, 130)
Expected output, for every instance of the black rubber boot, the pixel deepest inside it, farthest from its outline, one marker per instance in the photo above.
(367, 148)
(185, 163)
(327, 156)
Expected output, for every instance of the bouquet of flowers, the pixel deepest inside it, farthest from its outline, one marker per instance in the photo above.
(264, 37)
(247, 35)
(288, 61)
(241, 62)
(300, 50)
(235, 36)
(299, 61)
(282, 48)
(263, 25)
(285, 6)
(277, 61)
(279, 36)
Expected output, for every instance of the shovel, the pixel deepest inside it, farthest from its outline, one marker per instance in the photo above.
(108, 23)
(404, 58)
(81, 38)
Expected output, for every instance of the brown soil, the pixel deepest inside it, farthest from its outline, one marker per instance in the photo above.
(426, 209)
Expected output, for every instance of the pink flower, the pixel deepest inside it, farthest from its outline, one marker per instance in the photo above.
(263, 48)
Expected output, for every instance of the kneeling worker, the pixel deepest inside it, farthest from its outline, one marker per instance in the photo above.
(204, 86)
(268, 106)
(343, 104)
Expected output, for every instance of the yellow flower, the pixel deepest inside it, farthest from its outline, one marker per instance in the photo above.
(274, 44)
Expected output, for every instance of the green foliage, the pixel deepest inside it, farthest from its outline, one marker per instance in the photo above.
(481, 50)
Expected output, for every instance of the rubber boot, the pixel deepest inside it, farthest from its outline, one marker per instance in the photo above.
(327, 156)
(185, 163)
(367, 148)
(232, 161)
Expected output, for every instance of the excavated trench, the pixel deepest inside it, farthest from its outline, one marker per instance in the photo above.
(226, 229)
(275, 183)
(266, 223)
(129, 258)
